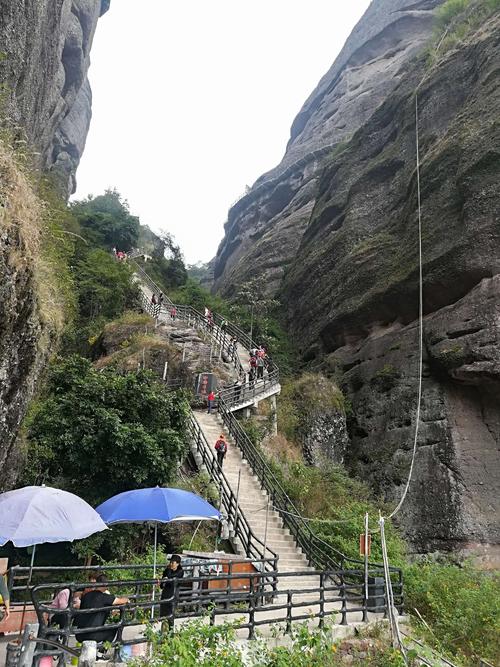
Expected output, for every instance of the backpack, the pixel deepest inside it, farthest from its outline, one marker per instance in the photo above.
(253, 362)
(221, 446)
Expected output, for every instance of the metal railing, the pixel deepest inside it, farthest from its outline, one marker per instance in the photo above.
(320, 554)
(253, 547)
(248, 599)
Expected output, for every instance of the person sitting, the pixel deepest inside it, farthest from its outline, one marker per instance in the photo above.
(97, 599)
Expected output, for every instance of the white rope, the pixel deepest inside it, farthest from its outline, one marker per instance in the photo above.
(420, 321)
(391, 610)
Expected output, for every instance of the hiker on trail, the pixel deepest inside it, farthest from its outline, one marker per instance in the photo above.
(210, 320)
(160, 299)
(251, 377)
(114, 251)
(154, 300)
(221, 449)
(210, 402)
(173, 313)
(237, 390)
(172, 571)
(260, 367)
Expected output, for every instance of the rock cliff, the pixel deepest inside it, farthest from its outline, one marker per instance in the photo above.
(265, 226)
(352, 293)
(45, 48)
(45, 97)
(333, 229)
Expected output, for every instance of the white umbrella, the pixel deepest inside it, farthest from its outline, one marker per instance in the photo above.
(37, 514)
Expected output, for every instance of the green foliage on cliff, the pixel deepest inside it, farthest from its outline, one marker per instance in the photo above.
(100, 433)
(456, 20)
(461, 607)
(105, 221)
(304, 396)
(105, 286)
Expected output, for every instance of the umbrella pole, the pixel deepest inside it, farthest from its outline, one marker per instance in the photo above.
(27, 588)
(154, 570)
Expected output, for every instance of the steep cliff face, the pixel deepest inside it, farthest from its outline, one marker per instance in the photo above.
(352, 292)
(264, 228)
(46, 46)
(45, 96)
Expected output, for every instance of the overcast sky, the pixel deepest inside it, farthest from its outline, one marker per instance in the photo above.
(194, 99)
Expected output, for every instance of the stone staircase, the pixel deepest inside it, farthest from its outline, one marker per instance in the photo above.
(253, 501)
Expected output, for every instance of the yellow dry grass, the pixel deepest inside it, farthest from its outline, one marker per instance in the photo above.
(22, 222)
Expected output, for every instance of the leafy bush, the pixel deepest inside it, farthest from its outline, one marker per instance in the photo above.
(449, 10)
(198, 644)
(105, 221)
(100, 433)
(461, 606)
(105, 286)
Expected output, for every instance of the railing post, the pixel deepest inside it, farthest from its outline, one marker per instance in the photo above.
(321, 600)
(288, 627)
(343, 609)
(251, 610)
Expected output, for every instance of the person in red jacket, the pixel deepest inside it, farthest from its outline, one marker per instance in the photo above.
(210, 401)
(221, 449)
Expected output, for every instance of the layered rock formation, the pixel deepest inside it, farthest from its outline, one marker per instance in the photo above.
(45, 57)
(352, 293)
(45, 97)
(334, 230)
(265, 226)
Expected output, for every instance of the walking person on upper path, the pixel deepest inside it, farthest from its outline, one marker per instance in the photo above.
(210, 402)
(221, 449)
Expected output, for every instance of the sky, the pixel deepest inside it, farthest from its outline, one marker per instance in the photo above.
(194, 99)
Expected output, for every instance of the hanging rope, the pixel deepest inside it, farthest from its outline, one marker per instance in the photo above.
(420, 319)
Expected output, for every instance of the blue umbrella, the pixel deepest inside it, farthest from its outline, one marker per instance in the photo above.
(157, 505)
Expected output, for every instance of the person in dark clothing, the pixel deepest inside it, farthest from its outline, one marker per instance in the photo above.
(97, 599)
(172, 571)
(221, 449)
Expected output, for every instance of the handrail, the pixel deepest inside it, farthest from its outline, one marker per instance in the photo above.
(228, 503)
(317, 550)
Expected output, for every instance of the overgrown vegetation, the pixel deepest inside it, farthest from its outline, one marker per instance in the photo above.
(100, 433)
(198, 644)
(455, 20)
(460, 606)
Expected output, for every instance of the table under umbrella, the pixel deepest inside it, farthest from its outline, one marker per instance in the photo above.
(156, 505)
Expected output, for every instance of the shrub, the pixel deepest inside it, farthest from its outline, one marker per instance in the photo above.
(100, 433)
(449, 11)
(461, 606)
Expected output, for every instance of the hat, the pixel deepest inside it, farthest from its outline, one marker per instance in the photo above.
(174, 558)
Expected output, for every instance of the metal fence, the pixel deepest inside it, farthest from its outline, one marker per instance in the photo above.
(248, 599)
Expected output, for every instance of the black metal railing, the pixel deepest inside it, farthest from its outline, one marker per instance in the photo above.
(253, 547)
(320, 554)
(248, 599)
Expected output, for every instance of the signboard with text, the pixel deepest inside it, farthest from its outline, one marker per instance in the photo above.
(206, 383)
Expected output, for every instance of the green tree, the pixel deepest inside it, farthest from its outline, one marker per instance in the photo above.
(106, 221)
(105, 286)
(100, 433)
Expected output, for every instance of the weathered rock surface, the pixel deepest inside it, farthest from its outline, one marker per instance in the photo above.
(45, 97)
(352, 293)
(265, 226)
(46, 46)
